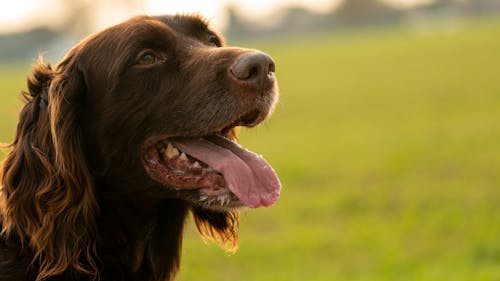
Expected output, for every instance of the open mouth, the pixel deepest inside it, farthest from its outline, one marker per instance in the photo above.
(218, 171)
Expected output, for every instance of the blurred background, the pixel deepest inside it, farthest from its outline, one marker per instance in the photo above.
(386, 138)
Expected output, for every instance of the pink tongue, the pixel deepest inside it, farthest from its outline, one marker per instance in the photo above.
(247, 174)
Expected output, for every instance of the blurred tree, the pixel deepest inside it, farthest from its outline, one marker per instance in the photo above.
(447, 3)
(363, 11)
(471, 7)
(68, 21)
(26, 45)
(82, 17)
(482, 6)
(237, 26)
(293, 20)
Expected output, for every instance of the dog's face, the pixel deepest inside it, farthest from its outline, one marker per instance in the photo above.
(163, 96)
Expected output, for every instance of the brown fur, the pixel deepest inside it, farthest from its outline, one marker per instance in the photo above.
(76, 203)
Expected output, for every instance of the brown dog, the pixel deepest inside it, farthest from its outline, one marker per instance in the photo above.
(130, 132)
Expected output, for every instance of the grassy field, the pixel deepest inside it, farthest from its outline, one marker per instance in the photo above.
(388, 146)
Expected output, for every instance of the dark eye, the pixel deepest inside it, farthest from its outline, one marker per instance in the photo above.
(150, 57)
(213, 41)
(147, 59)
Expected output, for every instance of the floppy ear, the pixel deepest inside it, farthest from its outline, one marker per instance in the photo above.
(47, 196)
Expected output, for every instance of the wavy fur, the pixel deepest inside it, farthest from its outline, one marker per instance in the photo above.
(76, 201)
(47, 191)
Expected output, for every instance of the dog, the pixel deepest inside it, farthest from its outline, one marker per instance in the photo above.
(117, 144)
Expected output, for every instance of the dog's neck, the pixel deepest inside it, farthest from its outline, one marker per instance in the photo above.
(146, 238)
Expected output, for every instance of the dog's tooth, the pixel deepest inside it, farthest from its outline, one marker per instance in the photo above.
(183, 156)
(196, 168)
(222, 199)
(171, 151)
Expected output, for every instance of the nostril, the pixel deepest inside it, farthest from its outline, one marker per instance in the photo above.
(253, 72)
(271, 68)
(270, 72)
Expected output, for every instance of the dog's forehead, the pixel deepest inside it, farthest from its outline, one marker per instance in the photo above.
(138, 33)
(190, 25)
(184, 23)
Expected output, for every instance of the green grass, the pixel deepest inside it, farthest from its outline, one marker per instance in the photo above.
(12, 81)
(388, 146)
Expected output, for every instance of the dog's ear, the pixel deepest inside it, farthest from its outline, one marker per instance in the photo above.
(47, 196)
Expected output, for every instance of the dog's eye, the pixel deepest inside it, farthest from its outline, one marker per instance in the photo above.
(150, 57)
(147, 59)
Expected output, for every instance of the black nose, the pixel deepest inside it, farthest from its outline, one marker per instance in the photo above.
(253, 69)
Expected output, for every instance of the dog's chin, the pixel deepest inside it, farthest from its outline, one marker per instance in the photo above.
(224, 200)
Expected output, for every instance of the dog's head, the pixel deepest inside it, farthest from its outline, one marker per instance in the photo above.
(165, 93)
(146, 108)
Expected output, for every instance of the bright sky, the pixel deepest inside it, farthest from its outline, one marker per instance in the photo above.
(251, 9)
(13, 14)
(16, 15)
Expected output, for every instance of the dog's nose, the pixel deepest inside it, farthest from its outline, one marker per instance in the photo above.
(254, 69)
